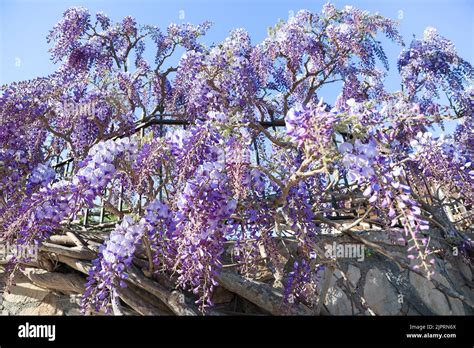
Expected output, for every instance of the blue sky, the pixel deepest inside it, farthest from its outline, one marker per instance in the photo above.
(24, 24)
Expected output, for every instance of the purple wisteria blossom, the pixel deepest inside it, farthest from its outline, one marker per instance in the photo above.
(108, 271)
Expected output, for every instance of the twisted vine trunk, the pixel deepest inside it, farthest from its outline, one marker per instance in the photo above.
(146, 294)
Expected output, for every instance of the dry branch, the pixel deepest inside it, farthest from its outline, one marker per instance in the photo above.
(78, 265)
(149, 298)
(173, 299)
(137, 303)
(61, 240)
(80, 253)
(65, 282)
(75, 239)
(261, 294)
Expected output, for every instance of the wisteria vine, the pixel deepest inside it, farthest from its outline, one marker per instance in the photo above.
(196, 154)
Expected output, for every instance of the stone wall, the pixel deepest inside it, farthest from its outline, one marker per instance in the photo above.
(377, 286)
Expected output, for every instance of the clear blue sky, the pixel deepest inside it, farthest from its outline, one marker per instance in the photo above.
(24, 24)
